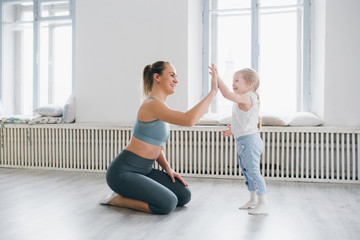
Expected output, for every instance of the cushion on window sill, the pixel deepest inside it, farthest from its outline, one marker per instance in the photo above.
(273, 120)
(209, 119)
(45, 120)
(69, 110)
(49, 111)
(304, 119)
(17, 119)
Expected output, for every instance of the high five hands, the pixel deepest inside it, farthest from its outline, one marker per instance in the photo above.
(215, 86)
(214, 78)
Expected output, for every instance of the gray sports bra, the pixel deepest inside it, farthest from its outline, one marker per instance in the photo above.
(155, 132)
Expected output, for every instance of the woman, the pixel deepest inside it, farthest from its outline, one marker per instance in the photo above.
(130, 175)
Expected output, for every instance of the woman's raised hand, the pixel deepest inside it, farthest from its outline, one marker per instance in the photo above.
(214, 76)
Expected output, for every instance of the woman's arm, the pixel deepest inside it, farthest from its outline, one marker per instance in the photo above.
(165, 165)
(189, 118)
(162, 162)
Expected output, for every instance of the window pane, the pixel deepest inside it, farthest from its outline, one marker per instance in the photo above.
(18, 69)
(45, 64)
(52, 61)
(229, 4)
(49, 9)
(280, 61)
(277, 49)
(268, 3)
(232, 50)
(18, 11)
(62, 63)
(55, 62)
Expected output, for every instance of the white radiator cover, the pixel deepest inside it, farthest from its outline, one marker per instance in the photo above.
(316, 154)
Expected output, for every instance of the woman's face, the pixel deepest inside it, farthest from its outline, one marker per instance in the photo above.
(168, 79)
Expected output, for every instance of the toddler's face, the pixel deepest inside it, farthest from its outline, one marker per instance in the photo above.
(240, 85)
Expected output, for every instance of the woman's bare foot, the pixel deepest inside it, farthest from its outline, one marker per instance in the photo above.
(116, 201)
(108, 199)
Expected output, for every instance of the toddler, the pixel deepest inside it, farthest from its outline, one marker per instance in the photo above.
(245, 126)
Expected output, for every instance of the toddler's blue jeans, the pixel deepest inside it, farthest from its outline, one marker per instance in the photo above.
(250, 148)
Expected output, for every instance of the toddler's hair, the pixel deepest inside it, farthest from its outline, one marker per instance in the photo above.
(251, 76)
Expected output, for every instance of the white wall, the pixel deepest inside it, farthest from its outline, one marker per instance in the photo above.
(342, 63)
(336, 82)
(195, 33)
(114, 42)
(317, 70)
(10, 106)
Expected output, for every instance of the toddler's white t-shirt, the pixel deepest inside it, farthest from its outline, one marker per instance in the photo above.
(245, 123)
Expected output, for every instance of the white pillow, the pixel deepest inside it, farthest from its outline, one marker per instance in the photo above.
(304, 119)
(49, 111)
(209, 119)
(69, 110)
(226, 120)
(272, 120)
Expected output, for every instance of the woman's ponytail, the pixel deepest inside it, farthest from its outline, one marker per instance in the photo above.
(147, 81)
(148, 74)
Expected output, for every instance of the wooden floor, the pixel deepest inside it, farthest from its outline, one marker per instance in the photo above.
(44, 204)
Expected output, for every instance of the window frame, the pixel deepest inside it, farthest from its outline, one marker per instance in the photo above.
(37, 19)
(303, 99)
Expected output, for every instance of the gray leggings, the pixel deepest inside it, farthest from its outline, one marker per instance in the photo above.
(133, 177)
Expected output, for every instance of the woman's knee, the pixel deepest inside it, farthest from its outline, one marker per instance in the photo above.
(166, 206)
(170, 205)
(184, 197)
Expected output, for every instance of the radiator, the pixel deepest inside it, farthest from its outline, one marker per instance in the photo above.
(316, 154)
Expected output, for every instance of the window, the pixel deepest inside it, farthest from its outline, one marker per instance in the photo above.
(270, 36)
(36, 54)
